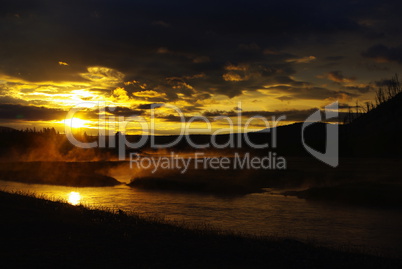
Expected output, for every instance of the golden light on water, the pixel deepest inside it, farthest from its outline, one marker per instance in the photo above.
(74, 198)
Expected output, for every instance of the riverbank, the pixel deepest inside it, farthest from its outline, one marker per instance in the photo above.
(369, 194)
(45, 233)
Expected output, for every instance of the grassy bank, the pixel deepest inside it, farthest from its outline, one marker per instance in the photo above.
(45, 233)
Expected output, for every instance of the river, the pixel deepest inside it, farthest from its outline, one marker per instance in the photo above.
(269, 213)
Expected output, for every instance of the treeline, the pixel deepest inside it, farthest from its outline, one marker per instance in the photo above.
(51, 131)
(383, 94)
(45, 130)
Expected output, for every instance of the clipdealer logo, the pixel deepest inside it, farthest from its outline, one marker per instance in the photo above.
(271, 161)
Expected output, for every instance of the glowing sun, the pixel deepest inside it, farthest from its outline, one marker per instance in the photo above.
(74, 198)
(76, 122)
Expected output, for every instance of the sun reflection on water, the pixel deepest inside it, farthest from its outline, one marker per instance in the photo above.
(74, 198)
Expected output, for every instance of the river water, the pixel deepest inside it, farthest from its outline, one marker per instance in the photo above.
(269, 213)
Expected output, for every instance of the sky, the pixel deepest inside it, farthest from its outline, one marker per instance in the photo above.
(206, 58)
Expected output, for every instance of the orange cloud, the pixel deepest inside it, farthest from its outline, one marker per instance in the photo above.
(232, 76)
(337, 76)
(302, 60)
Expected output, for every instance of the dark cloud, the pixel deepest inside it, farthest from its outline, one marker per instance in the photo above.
(361, 89)
(148, 106)
(394, 82)
(382, 53)
(337, 76)
(96, 113)
(374, 67)
(291, 115)
(342, 106)
(124, 111)
(175, 118)
(334, 58)
(11, 100)
(285, 98)
(30, 113)
(290, 81)
(311, 93)
(237, 108)
(292, 89)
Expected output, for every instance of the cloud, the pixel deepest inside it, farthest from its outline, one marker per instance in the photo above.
(291, 115)
(124, 111)
(149, 106)
(201, 59)
(387, 82)
(306, 92)
(285, 98)
(381, 53)
(337, 76)
(232, 76)
(359, 88)
(148, 94)
(237, 108)
(104, 76)
(30, 113)
(334, 58)
(285, 88)
(302, 60)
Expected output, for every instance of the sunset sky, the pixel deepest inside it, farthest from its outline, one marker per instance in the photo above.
(275, 57)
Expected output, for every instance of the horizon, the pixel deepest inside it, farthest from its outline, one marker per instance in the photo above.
(88, 132)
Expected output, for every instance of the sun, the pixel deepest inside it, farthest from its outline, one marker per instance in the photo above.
(76, 122)
(74, 198)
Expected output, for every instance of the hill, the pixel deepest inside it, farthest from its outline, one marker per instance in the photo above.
(376, 133)
(4, 129)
